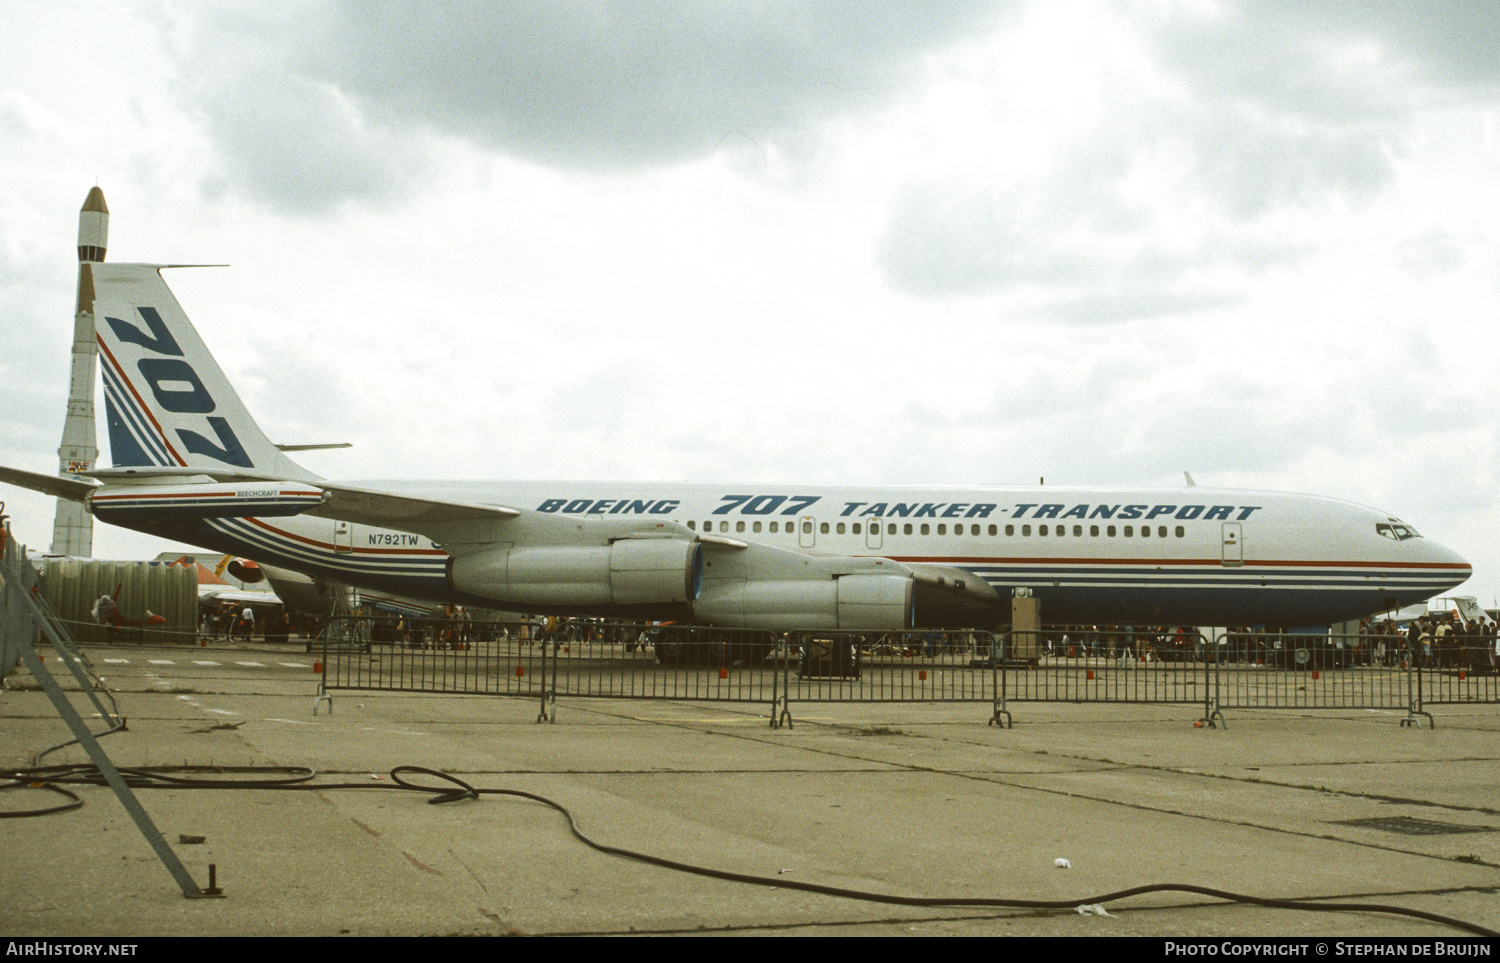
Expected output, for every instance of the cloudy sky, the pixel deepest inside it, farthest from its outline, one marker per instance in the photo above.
(968, 242)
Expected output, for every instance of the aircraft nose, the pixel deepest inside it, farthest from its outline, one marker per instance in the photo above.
(1452, 567)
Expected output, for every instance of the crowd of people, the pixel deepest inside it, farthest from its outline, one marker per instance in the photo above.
(1439, 640)
(237, 622)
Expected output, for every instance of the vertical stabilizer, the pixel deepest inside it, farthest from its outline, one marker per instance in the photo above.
(166, 399)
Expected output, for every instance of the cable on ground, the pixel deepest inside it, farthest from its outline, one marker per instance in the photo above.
(456, 790)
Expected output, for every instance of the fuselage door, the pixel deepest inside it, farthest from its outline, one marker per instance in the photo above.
(806, 531)
(343, 538)
(1234, 544)
(873, 532)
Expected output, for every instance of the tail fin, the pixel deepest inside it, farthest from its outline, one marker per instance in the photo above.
(167, 401)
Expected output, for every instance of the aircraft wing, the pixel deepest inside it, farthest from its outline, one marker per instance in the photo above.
(69, 488)
(367, 506)
(209, 595)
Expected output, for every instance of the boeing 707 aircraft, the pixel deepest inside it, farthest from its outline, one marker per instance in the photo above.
(189, 463)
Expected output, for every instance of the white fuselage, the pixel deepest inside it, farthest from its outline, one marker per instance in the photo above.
(1173, 556)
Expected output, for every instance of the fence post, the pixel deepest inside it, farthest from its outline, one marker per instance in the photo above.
(1213, 717)
(783, 715)
(999, 679)
(548, 710)
(1414, 710)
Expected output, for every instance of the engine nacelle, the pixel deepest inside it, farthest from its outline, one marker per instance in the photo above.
(874, 602)
(630, 571)
(246, 570)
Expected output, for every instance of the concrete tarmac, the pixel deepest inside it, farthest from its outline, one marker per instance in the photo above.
(908, 799)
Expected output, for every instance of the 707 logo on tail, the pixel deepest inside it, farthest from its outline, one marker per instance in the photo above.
(178, 389)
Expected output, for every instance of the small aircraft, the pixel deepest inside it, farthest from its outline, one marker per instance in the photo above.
(318, 597)
(213, 591)
(299, 593)
(189, 463)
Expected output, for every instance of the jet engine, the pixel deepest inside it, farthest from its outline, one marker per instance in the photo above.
(628, 571)
(874, 602)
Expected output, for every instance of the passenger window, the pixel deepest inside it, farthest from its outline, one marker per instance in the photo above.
(1145, 531)
(1093, 531)
(1161, 531)
(824, 528)
(892, 529)
(1041, 529)
(1026, 530)
(1180, 531)
(1078, 530)
(841, 528)
(807, 528)
(856, 527)
(692, 526)
(907, 528)
(739, 526)
(1128, 530)
(723, 526)
(755, 526)
(1009, 529)
(1109, 531)
(943, 529)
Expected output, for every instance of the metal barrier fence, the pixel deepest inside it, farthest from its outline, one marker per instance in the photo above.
(18, 625)
(1070, 664)
(678, 662)
(1270, 671)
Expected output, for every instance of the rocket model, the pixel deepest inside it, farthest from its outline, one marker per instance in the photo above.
(73, 530)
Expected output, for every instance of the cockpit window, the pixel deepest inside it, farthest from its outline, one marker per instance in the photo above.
(1397, 530)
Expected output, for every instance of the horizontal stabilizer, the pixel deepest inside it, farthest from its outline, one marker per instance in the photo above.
(182, 476)
(69, 488)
